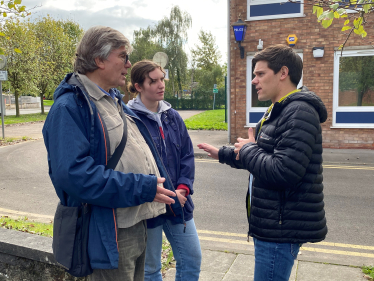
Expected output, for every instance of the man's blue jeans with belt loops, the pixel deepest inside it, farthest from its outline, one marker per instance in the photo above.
(274, 261)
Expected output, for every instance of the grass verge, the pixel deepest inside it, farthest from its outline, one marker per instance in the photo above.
(207, 120)
(46, 229)
(167, 257)
(369, 271)
(24, 118)
(10, 141)
(48, 102)
(24, 225)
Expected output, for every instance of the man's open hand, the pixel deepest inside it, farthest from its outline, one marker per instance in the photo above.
(212, 151)
(162, 194)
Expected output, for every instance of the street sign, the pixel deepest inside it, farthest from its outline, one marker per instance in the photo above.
(215, 86)
(166, 73)
(215, 91)
(3, 75)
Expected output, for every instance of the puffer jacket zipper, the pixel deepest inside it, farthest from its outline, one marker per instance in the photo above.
(281, 206)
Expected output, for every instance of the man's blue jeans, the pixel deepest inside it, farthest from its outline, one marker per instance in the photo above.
(274, 261)
(186, 250)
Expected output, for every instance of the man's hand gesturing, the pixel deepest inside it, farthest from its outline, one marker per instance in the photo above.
(162, 194)
(212, 151)
(242, 142)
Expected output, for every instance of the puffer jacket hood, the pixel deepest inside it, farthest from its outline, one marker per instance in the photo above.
(311, 98)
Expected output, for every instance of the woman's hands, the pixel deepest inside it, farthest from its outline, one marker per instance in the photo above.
(181, 194)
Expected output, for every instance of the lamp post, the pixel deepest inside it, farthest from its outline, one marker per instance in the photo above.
(240, 28)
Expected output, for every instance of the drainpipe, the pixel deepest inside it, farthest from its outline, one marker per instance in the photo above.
(228, 88)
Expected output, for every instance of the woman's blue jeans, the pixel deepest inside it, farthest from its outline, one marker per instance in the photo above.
(274, 261)
(186, 250)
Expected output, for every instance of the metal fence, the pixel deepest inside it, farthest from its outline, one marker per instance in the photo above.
(202, 100)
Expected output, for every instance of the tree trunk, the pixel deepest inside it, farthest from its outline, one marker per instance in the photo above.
(360, 95)
(17, 103)
(41, 103)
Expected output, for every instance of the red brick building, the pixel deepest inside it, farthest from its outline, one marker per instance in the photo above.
(337, 78)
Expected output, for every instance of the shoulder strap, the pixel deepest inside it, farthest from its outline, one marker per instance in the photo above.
(113, 161)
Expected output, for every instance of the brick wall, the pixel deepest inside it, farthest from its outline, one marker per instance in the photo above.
(317, 73)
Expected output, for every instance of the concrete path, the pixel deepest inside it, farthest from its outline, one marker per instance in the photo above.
(227, 266)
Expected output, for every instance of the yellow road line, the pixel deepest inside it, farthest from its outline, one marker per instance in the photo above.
(336, 252)
(231, 241)
(19, 213)
(309, 249)
(358, 167)
(330, 244)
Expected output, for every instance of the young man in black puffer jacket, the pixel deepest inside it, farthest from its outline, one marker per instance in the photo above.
(285, 205)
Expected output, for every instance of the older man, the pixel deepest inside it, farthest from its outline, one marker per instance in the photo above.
(83, 129)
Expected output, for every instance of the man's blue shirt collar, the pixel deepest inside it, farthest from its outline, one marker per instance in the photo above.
(111, 92)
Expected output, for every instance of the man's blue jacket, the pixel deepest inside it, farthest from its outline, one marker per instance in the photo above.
(78, 150)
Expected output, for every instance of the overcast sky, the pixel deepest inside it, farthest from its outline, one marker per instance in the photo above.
(130, 15)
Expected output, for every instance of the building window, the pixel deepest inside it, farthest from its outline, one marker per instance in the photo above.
(256, 108)
(274, 9)
(354, 89)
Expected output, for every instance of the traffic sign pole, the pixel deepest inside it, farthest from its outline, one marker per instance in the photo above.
(2, 109)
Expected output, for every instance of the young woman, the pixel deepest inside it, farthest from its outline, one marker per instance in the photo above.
(175, 148)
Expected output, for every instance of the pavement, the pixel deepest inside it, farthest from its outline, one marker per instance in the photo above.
(225, 260)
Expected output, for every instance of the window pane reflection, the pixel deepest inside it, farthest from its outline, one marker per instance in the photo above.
(356, 81)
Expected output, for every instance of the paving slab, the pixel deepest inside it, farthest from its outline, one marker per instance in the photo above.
(214, 266)
(309, 271)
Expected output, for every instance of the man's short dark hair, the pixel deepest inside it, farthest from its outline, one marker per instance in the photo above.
(278, 56)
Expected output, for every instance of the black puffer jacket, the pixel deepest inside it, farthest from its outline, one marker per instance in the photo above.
(286, 162)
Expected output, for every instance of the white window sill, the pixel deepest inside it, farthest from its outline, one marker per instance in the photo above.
(285, 16)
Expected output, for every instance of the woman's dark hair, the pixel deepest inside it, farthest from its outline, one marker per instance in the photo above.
(139, 72)
(278, 56)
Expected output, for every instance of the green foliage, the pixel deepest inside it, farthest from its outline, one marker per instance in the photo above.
(328, 10)
(167, 256)
(48, 102)
(8, 141)
(145, 45)
(24, 225)
(369, 271)
(208, 120)
(22, 67)
(24, 118)
(206, 54)
(206, 70)
(12, 10)
(56, 50)
(169, 35)
(48, 47)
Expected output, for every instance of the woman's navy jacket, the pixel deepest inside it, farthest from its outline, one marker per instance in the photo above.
(178, 157)
(78, 149)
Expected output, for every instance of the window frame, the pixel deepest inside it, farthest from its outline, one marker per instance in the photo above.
(249, 107)
(336, 108)
(280, 16)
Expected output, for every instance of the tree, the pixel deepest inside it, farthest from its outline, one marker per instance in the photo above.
(328, 10)
(22, 67)
(145, 45)
(208, 72)
(12, 9)
(171, 33)
(206, 53)
(56, 49)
